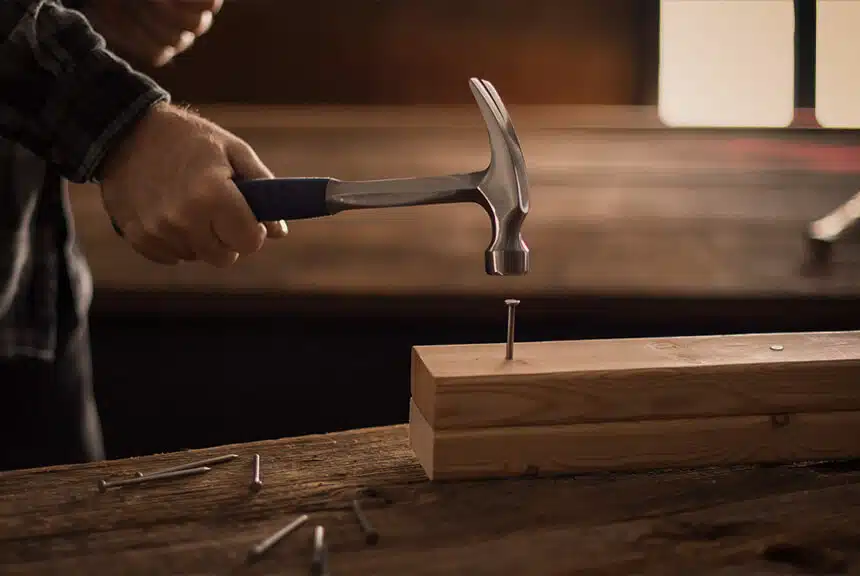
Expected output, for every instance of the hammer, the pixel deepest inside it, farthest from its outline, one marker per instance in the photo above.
(501, 189)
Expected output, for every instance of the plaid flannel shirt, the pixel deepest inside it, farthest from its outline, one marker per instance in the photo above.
(65, 99)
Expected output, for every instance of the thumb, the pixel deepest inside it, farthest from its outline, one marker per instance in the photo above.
(245, 162)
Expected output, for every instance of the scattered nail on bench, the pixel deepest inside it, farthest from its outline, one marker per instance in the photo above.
(256, 483)
(371, 536)
(173, 474)
(189, 465)
(264, 546)
(319, 563)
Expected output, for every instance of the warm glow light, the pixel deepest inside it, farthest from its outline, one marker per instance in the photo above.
(837, 64)
(728, 63)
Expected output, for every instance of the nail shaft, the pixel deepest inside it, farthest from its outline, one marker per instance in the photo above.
(266, 544)
(104, 484)
(190, 465)
(256, 483)
(509, 348)
(319, 564)
(371, 536)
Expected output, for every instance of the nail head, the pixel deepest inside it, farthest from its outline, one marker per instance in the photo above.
(777, 347)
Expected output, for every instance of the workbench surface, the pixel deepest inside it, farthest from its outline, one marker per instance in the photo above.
(776, 520)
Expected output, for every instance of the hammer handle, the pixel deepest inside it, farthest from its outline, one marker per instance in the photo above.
(286, 198)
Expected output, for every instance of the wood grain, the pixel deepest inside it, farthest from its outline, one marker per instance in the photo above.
(380, 51)
(568, 382)
(777, 520)
(632, 210)
(624, 446)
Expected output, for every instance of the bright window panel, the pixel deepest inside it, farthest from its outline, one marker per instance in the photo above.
(727, 63)
(837, 64)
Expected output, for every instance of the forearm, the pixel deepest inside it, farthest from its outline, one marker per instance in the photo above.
(63, 95)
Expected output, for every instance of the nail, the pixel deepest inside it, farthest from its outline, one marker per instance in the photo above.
(512, 305)
(190, 465)
(777, 347)
(266, 544)
(104, 484)
(256, 483)
(371, 536)
(319, 564)
(780, 420)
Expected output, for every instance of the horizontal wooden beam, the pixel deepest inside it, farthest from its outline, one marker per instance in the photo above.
(527, 117)
(570, 382)
(629, 446)
(638, 212)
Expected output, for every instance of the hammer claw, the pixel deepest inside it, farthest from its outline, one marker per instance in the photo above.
(489, 94)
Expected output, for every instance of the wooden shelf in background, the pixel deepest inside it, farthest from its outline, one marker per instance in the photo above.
(614, 210)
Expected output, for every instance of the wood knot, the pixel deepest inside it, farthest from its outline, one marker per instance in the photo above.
(700, 532)
(664, 345)
(808, 559)
(374, 494)
(780, 420)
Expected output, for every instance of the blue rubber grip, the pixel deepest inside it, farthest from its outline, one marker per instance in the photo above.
(286, 198)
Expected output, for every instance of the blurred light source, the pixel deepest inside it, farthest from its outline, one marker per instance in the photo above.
(727, 63)
(837, 63)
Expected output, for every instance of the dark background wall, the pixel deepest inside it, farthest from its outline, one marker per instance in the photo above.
(173, 381)
(389, 52)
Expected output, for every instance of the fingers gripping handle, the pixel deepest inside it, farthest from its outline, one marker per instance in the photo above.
(281, 198)
(286, 198)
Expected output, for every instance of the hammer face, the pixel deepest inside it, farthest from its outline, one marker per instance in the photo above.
(508, 262)
(508, 254)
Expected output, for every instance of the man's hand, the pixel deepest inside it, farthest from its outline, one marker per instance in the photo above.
(168, 186)
(151, 32)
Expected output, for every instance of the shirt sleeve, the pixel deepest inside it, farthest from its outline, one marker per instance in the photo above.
(63, 94)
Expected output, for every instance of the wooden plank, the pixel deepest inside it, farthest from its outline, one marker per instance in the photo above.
(770, 521)
(627, 446)
(567, 382)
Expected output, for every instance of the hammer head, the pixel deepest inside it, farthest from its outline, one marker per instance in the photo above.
(504, 188)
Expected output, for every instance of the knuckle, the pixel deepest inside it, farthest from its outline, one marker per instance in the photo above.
(151, 227)
(134, 233)
(176, 218)
(184, 40)
(172, 38)
(173, 221)
(203, 23)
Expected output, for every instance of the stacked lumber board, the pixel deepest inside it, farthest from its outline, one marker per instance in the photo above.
(633, 404)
